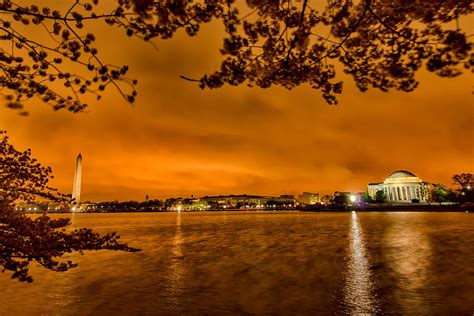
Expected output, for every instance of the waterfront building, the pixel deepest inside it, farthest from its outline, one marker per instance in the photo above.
(244, 201)
(88, 207)
(223, 201)
(282, 201)
(309, 198)
(326, 199)
(286, 198)
(401, 187)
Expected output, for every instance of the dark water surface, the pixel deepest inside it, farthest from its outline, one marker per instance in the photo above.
(263, 263)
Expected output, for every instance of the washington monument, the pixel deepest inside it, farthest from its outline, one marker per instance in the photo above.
(76, 189)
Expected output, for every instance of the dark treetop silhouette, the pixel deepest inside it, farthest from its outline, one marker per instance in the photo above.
(42, 240)
(464, 180)
(381, 44)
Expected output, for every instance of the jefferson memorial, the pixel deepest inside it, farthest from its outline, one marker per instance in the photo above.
(401, 187)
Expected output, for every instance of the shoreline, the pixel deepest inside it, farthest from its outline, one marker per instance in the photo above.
(370, 208)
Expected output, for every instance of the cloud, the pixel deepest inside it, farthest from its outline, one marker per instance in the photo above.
(179, 140)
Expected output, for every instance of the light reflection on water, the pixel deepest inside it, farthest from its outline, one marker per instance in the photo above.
(234, 263)
(359, 294)
(411, 263)
(176, 269)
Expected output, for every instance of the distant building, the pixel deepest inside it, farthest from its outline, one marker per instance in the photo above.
(285, 198)
(224, 201)
(87, 207)
(244, 201)
(309, 198)
(401, 187)
(327, 199)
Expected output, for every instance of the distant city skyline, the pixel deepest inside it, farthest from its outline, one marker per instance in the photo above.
(402, 179)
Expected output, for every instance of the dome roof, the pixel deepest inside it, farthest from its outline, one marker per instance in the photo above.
(401, 174)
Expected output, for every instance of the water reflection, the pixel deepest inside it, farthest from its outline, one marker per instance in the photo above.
(262, 264)
(409, 256)
(176, 269)
(359, 292)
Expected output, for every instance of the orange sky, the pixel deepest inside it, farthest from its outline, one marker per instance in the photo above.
(179, 140)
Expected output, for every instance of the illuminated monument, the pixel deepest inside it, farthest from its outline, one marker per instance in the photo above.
(401, 187)
(76, 189)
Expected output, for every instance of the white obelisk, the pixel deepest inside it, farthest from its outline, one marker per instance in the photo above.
(76, 190)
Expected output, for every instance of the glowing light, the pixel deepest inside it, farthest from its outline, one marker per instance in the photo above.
(353, 198)
(359, 289)
(179, 208)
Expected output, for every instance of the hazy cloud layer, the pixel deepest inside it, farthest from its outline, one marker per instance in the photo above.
(179, 140)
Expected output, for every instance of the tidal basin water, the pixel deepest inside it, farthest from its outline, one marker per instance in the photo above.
(233, 263)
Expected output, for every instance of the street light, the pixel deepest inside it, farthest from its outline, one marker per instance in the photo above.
(353, 198)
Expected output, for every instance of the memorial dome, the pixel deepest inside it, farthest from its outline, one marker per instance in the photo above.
(401, 174)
